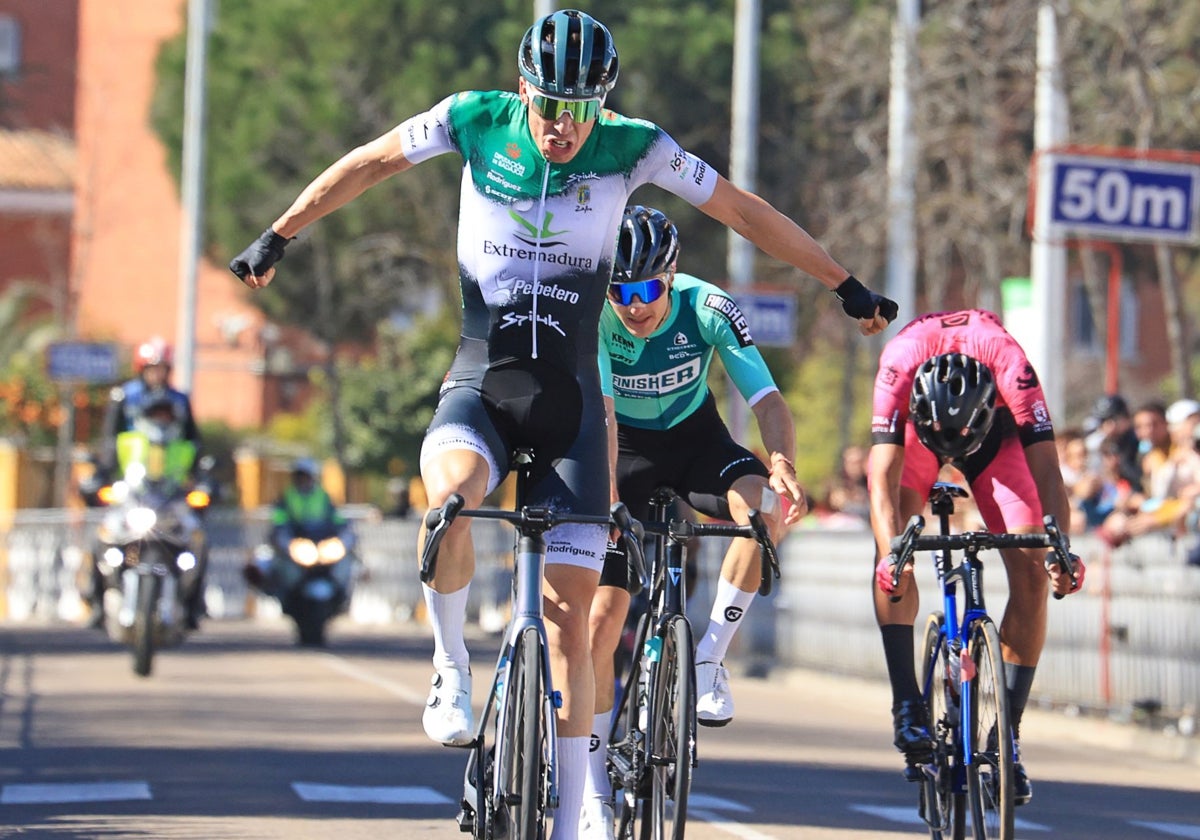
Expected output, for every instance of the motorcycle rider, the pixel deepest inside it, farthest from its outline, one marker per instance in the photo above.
(304, 510)
(157, 440)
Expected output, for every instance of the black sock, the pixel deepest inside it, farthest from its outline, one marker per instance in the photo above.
(902, 671)
(1018, 679)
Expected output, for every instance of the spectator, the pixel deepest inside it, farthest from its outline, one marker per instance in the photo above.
(1154, 439)
(1112, 415)
(848, 488)
(1172, 487)
(1082, 483)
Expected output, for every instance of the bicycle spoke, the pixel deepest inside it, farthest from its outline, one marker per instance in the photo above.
(990, 776)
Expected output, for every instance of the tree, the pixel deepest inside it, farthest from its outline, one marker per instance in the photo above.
(29, 404)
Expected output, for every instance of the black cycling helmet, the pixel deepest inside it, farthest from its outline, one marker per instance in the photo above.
(647, 244)
(569, 54)
(952, 404)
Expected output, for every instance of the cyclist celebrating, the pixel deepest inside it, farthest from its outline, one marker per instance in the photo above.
(955, 387)
(657, 337)
(546, 176)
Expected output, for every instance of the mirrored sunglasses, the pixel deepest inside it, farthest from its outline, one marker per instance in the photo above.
(648, 290)
(581, 110)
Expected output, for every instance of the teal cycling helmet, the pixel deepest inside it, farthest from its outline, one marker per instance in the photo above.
(569, 54)
(647, 245)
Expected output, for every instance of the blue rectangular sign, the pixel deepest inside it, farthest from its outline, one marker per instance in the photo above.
(82, 361)
(771, 316)
(1124, 199)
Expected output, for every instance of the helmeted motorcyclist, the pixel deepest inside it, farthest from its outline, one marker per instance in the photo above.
(304, 510)
(157, 440)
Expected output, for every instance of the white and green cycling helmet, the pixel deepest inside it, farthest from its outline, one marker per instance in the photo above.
(569, 54)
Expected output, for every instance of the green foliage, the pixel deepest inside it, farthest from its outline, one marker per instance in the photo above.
(387, 402)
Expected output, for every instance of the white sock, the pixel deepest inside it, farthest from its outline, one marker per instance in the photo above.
(729, 608)
(448, 616)
(572, 775)
(599, 787)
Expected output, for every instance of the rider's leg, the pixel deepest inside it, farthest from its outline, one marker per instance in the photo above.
(568, 598)
(741, 571)
(447, 716)
(609, 608)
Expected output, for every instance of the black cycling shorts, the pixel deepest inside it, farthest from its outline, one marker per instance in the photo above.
(697, 458)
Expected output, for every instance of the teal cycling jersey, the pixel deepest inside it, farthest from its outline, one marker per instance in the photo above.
(536, 240)
(658, 381)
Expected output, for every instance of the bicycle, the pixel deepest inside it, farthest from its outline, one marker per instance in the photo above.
(652, 741)
(510, 785)
(963, 677)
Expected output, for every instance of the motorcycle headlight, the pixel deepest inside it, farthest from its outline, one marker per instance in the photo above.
(198, 499)
(141, 519)
(331, 550)
(186, 561)
(114, 557)
(303, 551)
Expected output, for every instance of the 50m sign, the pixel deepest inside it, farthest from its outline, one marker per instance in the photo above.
(1126, 199)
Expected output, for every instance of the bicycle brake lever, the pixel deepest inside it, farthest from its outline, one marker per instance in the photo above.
(768, 556)
(436, 523)
(632, 533)
(901, 546)
(1062, 554)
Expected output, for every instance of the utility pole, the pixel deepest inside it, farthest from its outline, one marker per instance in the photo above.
(1048, 261)
(192, 189)
(743, 165)
(901, 283)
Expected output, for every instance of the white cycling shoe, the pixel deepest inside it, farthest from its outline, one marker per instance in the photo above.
(447, 717)
(598, 822)
(714, 702)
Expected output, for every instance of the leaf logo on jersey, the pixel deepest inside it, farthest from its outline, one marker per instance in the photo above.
(730, 312)
(536, 237)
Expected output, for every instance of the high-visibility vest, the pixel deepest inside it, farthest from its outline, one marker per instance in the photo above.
(172, 461)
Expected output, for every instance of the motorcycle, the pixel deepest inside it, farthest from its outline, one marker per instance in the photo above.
(150, 549)
(313, 580)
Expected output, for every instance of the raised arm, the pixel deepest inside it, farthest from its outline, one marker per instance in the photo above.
(755, 219)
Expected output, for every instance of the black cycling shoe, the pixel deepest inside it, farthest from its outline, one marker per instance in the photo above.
(1022, 787)
(912, 732)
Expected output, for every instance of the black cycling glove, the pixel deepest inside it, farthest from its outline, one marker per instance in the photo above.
(860, 302)
(263, 253)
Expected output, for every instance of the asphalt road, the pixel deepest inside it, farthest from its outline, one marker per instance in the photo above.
(239, 734)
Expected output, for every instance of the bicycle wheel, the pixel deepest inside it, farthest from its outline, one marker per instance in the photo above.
(990, 774)
(626, 745)
(672, 734)
(942, 803)
(523, 779)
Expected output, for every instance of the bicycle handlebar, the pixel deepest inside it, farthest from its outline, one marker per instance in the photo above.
(911, 541)
(527, 520)
(683, 530)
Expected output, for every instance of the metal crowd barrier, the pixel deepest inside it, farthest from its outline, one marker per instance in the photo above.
(1130, 640)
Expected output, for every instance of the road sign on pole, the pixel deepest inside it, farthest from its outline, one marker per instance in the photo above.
(771, 316)
(82, 361)
(1123, 198)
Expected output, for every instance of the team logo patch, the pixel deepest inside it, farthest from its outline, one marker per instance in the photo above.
(730, 312)
(1028, 380)
(959, 319)
(512, 150)
(733, 613)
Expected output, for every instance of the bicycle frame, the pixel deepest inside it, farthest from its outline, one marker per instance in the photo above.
(955, 631)
(529, 557)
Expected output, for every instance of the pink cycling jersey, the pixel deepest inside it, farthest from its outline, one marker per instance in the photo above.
(1003, 487)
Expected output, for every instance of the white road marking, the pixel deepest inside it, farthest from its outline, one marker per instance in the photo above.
(728, 826)
(907, 815)
(362, 675)
(65, 792)
(716, 803)
(313, 792)
(1174, 829)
